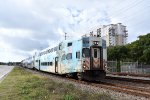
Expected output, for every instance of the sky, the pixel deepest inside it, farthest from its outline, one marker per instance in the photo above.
(27, 26)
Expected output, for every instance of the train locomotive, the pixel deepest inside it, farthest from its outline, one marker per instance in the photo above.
(84, 58)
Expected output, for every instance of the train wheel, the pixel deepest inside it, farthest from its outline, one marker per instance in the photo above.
(79, 75)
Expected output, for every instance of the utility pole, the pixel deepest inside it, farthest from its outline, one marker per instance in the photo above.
(65, 36)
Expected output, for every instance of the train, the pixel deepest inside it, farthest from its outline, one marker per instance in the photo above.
(84, 58)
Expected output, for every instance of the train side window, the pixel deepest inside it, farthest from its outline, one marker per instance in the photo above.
(63, 57)
(45, 63)
(69, 56)
(86, 52)
(78, 54)
(60, 47)
(69, 44)
(51, 63)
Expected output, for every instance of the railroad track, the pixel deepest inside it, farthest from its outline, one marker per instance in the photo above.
(118, 88)
(125, 89)
(129, 79)
(106, 85)
(130, 74)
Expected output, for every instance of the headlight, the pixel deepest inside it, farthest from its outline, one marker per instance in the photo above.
(84, 66)
(95, 42)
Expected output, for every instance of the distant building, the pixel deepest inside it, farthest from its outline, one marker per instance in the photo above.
(114, 34)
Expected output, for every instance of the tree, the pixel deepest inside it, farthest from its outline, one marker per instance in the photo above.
(117, 53)
(146, 55)
(138, 50)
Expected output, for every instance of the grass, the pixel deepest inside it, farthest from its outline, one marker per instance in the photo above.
(23, 85)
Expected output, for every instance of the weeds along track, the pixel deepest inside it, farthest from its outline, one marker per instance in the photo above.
(132, 88)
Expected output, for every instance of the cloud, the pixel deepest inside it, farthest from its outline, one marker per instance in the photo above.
(26, 26)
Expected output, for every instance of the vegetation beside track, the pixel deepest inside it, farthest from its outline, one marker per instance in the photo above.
(138, 50)
(23, 85)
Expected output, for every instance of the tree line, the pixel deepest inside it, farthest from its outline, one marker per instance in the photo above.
(138, 50)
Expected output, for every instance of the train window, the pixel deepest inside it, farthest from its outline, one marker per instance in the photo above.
(78, 54)
(69, 56)
(46, 64)
(95, 53)
(60, 47)
(63, 57)
(51, 63)
(86, 52)
(69, 44)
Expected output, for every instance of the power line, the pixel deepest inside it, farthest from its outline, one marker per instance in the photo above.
(135, 13)
(127, 8)
(136, 16)
(129, 18)
(130, 6)
(116, 5)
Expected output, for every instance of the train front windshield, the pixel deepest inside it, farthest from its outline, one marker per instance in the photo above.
(86, 52)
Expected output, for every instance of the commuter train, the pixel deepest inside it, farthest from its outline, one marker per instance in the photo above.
(84, 58)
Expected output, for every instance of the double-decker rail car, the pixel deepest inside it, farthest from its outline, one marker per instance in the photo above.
(83, 58)
(28, 62)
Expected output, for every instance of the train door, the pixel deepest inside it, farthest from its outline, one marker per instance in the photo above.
(56, 64)
(96, 58)
(39, 64)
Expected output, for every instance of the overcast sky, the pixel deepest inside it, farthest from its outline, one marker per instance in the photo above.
(27, 26)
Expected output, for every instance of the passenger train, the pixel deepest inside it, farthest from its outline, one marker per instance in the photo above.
(84, 58)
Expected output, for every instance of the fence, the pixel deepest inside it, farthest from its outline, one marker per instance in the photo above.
(128, 67)
(111, 66)
(135, 68)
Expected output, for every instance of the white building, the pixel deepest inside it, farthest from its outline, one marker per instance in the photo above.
(114, 34)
